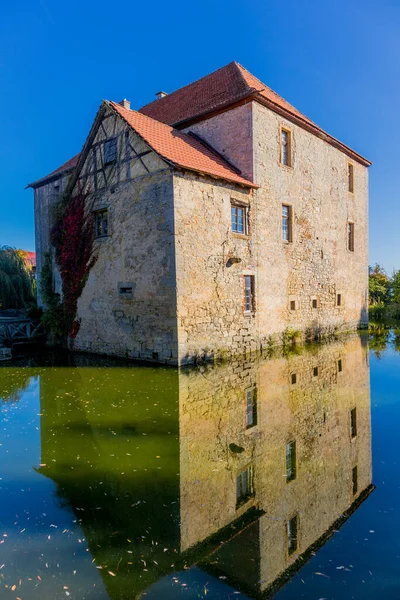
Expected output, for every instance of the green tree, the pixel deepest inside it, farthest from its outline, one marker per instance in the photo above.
(396, 287)
(16, 289)
(379, 285)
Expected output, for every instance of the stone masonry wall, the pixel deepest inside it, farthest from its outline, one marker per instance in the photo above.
(315, 265)
(138, 252)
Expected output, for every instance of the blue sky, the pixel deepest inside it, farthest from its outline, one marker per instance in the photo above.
(338, 62)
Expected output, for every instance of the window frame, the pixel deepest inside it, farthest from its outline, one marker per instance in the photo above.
(254, 415)
(110, 142)
(291, 471)
(289, 219)
(96, 214)
(252, 303)
(236, 206)
(289, 132)
(290, 549)
(350, 177)
(350, 236)
(249, 492)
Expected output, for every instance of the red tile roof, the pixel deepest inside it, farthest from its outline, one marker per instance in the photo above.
(67, 166)
(179, 148)
(222, 88)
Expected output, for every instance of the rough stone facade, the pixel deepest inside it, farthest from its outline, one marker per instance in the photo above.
(170, 240)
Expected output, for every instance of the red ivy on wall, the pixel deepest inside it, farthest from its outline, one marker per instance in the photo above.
(73, 239)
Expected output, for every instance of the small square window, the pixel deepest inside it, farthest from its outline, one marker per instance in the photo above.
(350, 178)
(251, 408)
(350, 236)
(110, 151)
(291, 466)
(353, 422)
(286, 147)
(315, 372)
(339, 365)
(354, 477)
(293, 378)
(248, 293)
(287, 223)
(244, 486)
(292, 534)
(239, 219)
(101, 223)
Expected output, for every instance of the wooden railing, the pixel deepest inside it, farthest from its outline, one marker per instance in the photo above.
(19, 330)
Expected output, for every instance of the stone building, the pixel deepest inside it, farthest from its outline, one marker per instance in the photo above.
(224, 217)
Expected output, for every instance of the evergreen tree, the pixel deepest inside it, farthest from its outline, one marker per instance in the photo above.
(15, 281)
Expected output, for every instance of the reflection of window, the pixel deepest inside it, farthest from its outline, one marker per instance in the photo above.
(244, 486)
(355, 480)
(239, 219)
(353, 422)
(291, 461)
(287, 223)
(292, 534)
(251, 408)
(249, 303)
(101, 223)
(110, 151)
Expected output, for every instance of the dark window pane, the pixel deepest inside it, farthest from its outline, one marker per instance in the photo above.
(290, 461)
(292, 528)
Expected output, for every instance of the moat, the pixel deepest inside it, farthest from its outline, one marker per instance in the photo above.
(258, 478)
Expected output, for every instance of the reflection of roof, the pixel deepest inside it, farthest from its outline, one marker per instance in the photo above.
(67, 166)
(179, 148)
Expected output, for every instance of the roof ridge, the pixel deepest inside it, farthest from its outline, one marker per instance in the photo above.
(169, 94)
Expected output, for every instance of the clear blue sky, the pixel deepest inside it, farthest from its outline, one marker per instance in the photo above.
(338, 62)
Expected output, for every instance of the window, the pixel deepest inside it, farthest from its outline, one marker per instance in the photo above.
(239, 219)
(248, 300)
(315, 303)
(339, 365)
(101, 223)
(293, 378)
(251, 408)
(315, 372)
(291, 461)
(110, 151)
(244, 486)
(350, 178)
(292, 529)
(354, 477)
(293, 305)
(339, 300)
(125, 291)
(350, 236)
(286, 147)
(286, 223)
(353, 422)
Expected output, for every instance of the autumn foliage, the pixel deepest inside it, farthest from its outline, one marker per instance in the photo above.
(73, 239)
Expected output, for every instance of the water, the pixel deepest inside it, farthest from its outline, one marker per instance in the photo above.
(246, 480)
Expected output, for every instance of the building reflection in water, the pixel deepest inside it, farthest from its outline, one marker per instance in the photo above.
(242, 469)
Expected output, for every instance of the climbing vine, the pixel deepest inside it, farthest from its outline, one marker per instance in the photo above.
(72, 237)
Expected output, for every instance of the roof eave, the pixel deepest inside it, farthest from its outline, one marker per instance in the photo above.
(49, 178)
(246, 184)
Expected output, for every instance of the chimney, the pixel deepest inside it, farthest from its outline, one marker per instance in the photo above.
(161, 95)
(125, 103)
